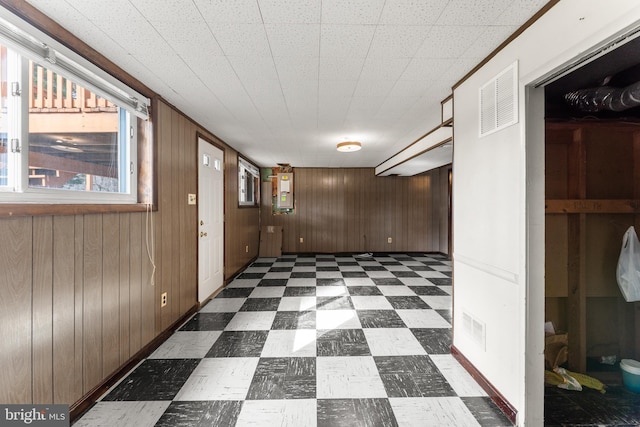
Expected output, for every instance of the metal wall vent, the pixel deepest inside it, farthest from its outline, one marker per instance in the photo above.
(499, 101)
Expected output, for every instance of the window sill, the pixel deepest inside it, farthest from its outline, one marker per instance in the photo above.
(8, 210)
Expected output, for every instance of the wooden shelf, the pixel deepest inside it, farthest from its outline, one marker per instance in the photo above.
(592, 206)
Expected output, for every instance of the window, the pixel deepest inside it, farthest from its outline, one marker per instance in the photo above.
(67, 129)
(248, 182)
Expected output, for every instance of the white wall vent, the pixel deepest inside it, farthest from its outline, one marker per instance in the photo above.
(499, 101)
(474, 329)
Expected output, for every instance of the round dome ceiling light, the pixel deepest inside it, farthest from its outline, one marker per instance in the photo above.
(349, 146)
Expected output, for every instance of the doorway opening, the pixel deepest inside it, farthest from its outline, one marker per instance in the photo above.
(592, 195)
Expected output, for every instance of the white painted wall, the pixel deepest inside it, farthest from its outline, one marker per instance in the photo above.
(497, 192)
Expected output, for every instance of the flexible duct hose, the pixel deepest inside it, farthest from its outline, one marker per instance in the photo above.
(605, 98)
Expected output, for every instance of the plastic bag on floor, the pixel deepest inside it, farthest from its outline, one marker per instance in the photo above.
(628, 271)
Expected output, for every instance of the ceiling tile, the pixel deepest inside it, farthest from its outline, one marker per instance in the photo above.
(241, 39)
(486, 42)
(300, 90)
(519, 12)
(297, 68)
(290, 11)
(412, 12)
(393, 41)
(351, 11)
(345, 40)
(448, 41)
(379, 68)
(107, 10)
(294, 39)
(472, 12)
(171, 11)
(229, 11)
(409, 88)
(427, 68)
(373, 87)
(254, 67)
(329, 89)
(348, 68)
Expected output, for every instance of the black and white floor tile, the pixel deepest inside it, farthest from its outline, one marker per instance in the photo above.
(310, 340)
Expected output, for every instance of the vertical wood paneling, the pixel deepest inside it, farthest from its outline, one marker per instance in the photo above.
(125, 292)
(15, 310)
(65, 387)
(352, 210)
(136, 233)
(176, 206)
(42, 309)
(92, 301)
(78, 239)
(110, 293)
(165, 220)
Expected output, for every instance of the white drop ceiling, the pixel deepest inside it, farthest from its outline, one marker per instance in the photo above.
(284, 81)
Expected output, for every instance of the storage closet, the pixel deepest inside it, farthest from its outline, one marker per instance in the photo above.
(592, 197)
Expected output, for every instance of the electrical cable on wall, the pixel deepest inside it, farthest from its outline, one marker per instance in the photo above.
(150, 247)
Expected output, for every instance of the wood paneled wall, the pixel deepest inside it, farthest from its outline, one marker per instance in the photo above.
(352, 210)
(79, 295)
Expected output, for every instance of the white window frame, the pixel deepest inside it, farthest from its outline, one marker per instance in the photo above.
(30, 43)
(245, 168)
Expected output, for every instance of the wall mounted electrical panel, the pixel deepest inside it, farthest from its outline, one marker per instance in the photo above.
(285, 191)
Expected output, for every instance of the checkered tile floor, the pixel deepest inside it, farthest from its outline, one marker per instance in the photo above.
(310, 340)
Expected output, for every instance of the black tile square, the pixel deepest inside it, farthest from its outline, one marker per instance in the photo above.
(342, 342)
(334, 303)
(208, 322)
(260, 304)
(355, 412)
(380, 319)
(201, 414)
(330, 282)
(280, 269)
(434, 340)
(354, 274)
(412, 376)
(273, 282)
(390, 263)
(559, 410)
(448, 316)
(420, 268)
(235, 293)
(284, 378)
(298, 291)
(327, 269)
(262, 264)
(387, 281)
(250, 276)
(405, 274)
(407, 302)
(294, 320)
(486, 411)
(440, 281)
(447, 273)
(428, 290)
(402, 257)
(364, 290)
(373, 268)
(239, 344)
(303, 275)
(154, 379)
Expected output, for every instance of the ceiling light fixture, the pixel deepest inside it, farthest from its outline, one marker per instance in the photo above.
(349, 146)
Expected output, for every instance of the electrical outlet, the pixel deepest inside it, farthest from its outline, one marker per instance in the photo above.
(191, 199)
(246, 248)
(302, 240)
(163, 299)
(389, 240)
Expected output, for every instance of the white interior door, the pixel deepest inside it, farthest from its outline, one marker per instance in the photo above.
(211, 219)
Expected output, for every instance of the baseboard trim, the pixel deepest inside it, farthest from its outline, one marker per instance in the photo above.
(86, 401)
(493, 393)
